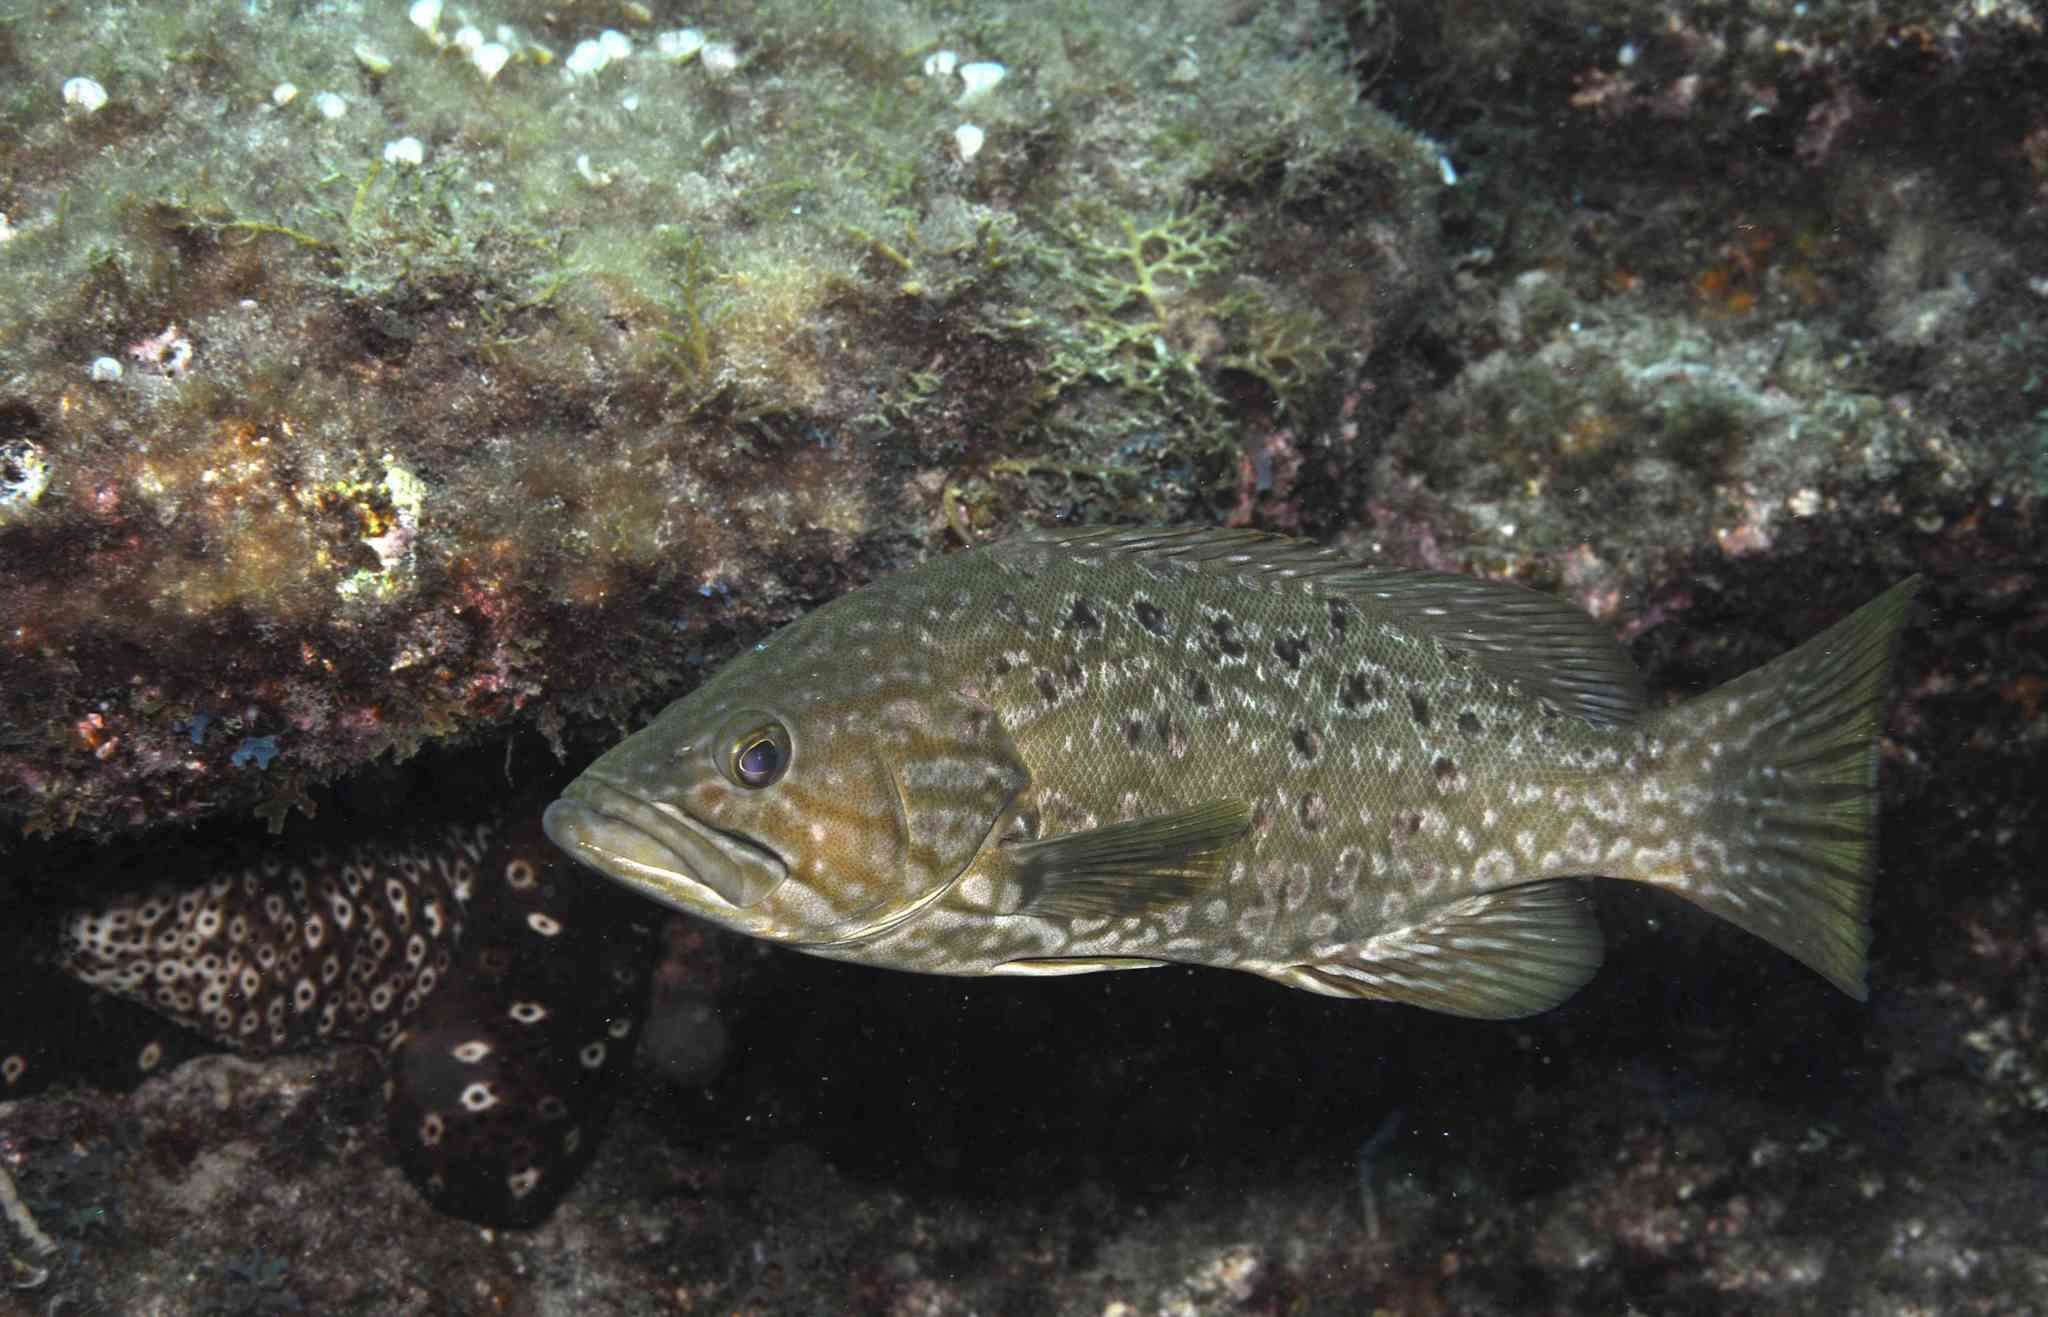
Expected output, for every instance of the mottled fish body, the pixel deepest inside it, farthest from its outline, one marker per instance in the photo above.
(501, 994)
(1076, 751)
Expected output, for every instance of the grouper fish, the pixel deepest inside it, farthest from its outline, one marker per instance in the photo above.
(1116, 749)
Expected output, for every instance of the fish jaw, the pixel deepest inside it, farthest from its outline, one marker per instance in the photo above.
(666, 855)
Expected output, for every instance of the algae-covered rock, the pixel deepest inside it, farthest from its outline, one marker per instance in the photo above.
(392, 375)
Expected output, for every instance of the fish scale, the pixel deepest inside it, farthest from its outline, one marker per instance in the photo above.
(1078, 751)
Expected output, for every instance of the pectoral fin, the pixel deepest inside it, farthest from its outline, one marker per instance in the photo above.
(1129, 868)
(1494, 957)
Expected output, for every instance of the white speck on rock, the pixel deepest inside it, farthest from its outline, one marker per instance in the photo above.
(979, 79)
(405, 151)
(679, 46)
(490, 58)
(85, 95)
(720, 58)
(587, 60)
(426, 16)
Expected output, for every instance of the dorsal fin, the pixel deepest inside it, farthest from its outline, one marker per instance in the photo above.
(1540, 643)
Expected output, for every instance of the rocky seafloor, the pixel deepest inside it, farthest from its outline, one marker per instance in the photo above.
(1728, 319)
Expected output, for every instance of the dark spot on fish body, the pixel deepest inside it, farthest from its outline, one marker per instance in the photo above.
(1226, 638)
(1010, 610)
(1198, 689)
(1312, 811)
(1307, 745)
(1364, 689)
(1150, 616)
(1082, 618)
(1468, 723)
(1340, 618)
(1291, 650)
(1047, 684)
(1418, 708)
(1445, 769)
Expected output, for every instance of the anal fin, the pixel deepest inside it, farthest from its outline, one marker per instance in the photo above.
(1499, 956)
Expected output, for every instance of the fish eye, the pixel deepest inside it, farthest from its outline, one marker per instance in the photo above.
(759, 757)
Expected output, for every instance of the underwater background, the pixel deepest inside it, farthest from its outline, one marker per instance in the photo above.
(399, 403)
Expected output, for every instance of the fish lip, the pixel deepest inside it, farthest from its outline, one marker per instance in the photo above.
(660, 849)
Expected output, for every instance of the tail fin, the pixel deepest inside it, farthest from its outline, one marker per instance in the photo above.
(1791, 754)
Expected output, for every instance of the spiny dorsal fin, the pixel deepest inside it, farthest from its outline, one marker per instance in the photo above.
(1542, 644)
(1129, 868)
(1539, 642)
(1498, 956)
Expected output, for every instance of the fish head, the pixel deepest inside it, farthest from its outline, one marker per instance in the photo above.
(807, 803)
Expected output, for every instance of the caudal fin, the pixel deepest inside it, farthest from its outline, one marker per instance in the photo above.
(1791, 754)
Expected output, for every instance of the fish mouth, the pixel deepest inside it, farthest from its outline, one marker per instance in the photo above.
(659, 849)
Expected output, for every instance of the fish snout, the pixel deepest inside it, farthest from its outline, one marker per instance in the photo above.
(661, 851)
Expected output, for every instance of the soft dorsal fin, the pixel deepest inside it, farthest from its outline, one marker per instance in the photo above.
(1129, 868)
(1542, 644)
(1539, 642)
(1498, 956)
